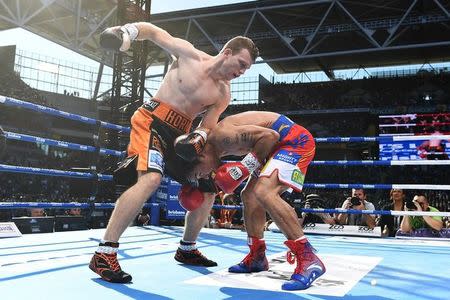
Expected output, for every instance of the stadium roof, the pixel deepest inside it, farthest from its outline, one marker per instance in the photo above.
(293, 36)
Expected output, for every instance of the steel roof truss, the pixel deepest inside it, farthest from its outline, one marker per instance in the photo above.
(19, 15)
(399, 34)
(249, 24)
(311, 37)
(214, 44)
(94, 30)
(9, 20)
(357, 51)
(294, 4)
(77, 22)
(60, 28)
(368, 33)
(25, 18)
(14, 19)
(394, 29)
(283, 38)
(438, 3)
(188, 30)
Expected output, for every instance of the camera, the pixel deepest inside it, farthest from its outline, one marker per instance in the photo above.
(410, 204)
(355, 201)
(314, 201)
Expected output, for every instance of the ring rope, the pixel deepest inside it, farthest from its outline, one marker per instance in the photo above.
(53, 172)
(61, 144)
(376, 212)
(377, 186)
(386, 139)
(14, 205)
(43, 109)
(381, 162)
(104, 177)
(104, 151)
(54, 112)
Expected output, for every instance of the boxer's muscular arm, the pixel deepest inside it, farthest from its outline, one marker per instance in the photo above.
(258, 141)
(213, 112)
(246, 138)
(175, 46)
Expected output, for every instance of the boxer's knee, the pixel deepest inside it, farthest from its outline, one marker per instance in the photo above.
(149, 181)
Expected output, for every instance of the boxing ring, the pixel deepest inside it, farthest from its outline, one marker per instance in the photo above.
(54, 265)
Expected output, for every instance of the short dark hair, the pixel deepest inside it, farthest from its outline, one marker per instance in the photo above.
(238, 43)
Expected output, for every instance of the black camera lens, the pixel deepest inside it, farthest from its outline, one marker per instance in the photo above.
(410, 204)
(355, 201)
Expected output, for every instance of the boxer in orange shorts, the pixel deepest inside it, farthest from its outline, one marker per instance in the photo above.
(277, 154)
(195, 83)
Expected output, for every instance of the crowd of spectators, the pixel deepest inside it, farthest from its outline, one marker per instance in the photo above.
(394, 200)
(370, 92)
(13, 86)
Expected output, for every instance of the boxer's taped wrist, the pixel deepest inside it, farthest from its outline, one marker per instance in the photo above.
(202, 133)
(131, 29)
(251, 162)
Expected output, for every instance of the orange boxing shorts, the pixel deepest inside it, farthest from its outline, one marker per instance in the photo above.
(154, 127)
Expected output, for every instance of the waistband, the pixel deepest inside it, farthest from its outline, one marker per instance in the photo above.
(282, 125)
(167, 114)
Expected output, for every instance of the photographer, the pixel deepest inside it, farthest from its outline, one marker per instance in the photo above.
(358, 202)
(410, 223)
(390, 224)
(314, 201)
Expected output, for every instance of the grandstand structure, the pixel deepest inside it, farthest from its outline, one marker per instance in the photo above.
(294, 36)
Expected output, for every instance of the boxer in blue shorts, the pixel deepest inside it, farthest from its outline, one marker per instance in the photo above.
(277, 153)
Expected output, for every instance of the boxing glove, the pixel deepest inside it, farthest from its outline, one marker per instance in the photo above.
(119, 38)
(190, 197)
(188, 146)
(230, 175)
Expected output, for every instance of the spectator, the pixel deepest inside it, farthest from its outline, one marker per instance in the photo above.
(75, 211)
(390, 224)
(226, 215)
(411, 223)
(314, 201)
(143, 218)
(357, 201)
(37, 212)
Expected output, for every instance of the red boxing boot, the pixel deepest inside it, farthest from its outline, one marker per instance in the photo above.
(255, 261)
(309, 266)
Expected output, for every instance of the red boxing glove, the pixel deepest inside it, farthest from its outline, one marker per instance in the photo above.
(190, 197)
(230, 175)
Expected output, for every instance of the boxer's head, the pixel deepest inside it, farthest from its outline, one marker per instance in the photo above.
(207, 161)
(239, 54)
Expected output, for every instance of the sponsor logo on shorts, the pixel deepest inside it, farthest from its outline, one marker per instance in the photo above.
(151, 105)
(283, 126)
(287, 157)
(298, 177)
(155, 160)
(178, 121)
